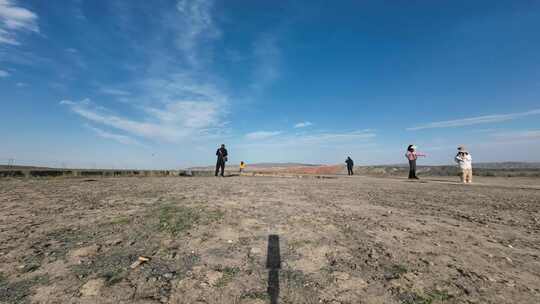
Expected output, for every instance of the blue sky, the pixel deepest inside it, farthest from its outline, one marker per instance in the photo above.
(160, 84)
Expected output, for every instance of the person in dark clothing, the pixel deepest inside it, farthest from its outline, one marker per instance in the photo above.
(221, 154)
(350, 165)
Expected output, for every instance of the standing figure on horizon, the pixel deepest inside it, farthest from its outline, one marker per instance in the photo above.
(412, 156)
(242, 166)
(221, 154)
(464, 160)
(350, 165)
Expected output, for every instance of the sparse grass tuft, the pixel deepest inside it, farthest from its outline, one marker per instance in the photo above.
(400, 269)
(120, 221)
(395, 271)
(256, 295)
(114, 276)
(439, 295)
(228, 274)
(19, 292)
(177, 219)
(434, 296)
(3, 279)
(414, 298)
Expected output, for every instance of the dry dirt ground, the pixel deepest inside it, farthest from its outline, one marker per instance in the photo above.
(339, 240)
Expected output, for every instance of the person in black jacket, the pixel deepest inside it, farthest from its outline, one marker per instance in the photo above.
(350, 165)
(221, 154)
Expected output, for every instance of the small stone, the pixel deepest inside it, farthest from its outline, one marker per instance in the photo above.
(341, 276)
(213, 276)
(92, 288)
(114, 242)
(168, 275)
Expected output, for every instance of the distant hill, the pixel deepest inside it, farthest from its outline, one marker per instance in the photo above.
(508, 165)
(259, 166)
(487, 165)
(480, 169)
(506, 169)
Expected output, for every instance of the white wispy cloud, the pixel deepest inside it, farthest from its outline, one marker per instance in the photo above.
(21, 84)
(313, 146)
(262, 135)
(175, 122)
(267, 55)
(195, 26)
(4, 74)
(123, 139)
(14, 19)
(333, 137)
(178, 98)
(475, 120)
(114, 92)
(303, 124)
(312, 138)
(180, 86)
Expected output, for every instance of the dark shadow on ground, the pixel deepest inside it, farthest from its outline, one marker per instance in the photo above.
(273, 263)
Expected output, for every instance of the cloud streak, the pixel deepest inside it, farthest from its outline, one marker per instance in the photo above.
(475, 120)
(114, 92)
(15, 19)
(123, 139)
(258, 135)
(196, 26)
(303, 124)
(174, 123)
(268, 56)
(4, 74)
(312, 138)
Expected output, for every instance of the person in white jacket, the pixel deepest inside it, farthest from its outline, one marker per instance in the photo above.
(464, 161)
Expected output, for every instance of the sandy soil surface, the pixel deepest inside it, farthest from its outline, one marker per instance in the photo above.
(335, 240)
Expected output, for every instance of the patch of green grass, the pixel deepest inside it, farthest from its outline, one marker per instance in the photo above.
(228, 274)
(439, 295)
(256, 295)
(177, 219)
(414, 298)
(436, 296)
(213, 216)
(399, 269)
(294, 278)
(109, 265)
(33, 266)
(395, 271)
(120, 221)
(19, 292)
(114, 276)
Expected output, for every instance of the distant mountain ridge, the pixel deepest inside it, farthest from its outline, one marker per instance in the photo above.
(508, 165)
(486, 165)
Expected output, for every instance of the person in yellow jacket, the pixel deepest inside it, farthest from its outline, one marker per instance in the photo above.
(242, 166)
